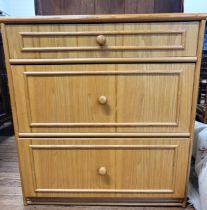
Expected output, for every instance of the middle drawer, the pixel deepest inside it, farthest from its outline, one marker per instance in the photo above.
(103, 98)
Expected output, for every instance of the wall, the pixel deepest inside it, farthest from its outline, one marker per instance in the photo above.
(18, 7)
(195, 6)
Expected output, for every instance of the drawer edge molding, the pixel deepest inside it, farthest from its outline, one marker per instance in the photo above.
(104, 60)
(92, 33)
(127, 124)
(57, 49)
(104, 191)
(102, 146)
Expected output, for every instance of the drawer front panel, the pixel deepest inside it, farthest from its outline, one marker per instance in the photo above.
(59, 97)
(156, 98)
(120, 40)
(103, 168)
(103, 98)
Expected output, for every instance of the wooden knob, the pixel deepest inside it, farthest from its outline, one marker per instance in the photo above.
(102, 171)
(101, 40)
(102, 100)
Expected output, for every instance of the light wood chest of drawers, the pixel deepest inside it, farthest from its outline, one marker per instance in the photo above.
(104, 106)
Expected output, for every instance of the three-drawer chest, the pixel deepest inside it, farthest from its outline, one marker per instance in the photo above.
(104, 106)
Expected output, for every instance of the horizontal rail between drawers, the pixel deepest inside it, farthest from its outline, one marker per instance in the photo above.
(103, 135)
(104, 60)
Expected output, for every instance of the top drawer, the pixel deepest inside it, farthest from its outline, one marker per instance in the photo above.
(102, 41)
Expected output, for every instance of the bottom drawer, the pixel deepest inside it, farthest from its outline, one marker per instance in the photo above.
(104, 168)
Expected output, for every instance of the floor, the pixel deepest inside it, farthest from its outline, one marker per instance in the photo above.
(10, 185)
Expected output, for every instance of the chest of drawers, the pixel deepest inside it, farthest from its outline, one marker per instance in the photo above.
(103, 106)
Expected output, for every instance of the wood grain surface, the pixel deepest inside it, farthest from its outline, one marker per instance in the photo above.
(122, 40)
(126, 110)
(10, 190)
(152, 97)
(126, 161)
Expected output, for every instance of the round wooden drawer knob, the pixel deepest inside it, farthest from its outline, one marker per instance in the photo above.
(101, 40)
(102, 171)
(102, 100)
